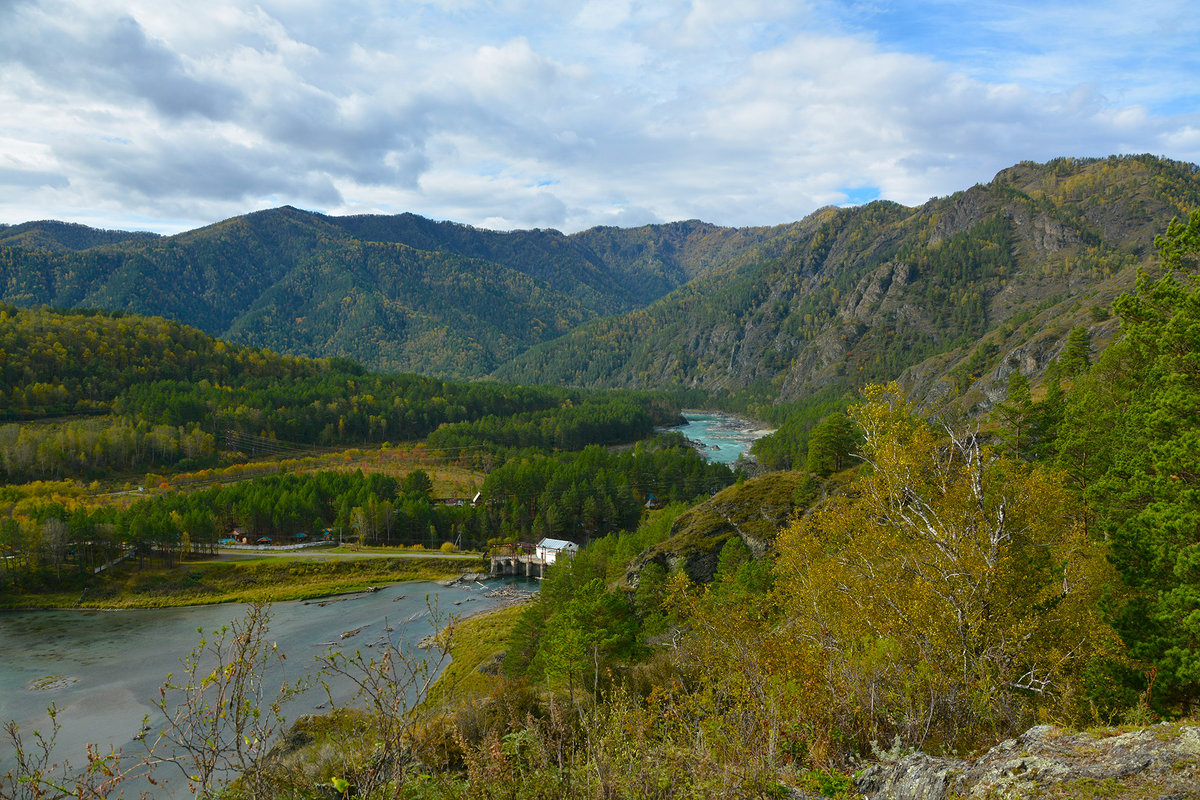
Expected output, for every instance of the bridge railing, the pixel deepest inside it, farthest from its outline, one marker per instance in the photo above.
(512, 550)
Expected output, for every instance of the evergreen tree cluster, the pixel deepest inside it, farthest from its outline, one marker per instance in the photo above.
(577, 495)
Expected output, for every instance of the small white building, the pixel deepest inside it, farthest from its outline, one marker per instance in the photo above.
(549, 549)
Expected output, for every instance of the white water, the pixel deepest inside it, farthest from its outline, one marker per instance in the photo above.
(724, 437)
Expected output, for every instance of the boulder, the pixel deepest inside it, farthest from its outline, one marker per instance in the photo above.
(1160, 761)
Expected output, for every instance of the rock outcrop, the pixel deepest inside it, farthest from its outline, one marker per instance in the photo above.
(1160, 761)
(753, 511)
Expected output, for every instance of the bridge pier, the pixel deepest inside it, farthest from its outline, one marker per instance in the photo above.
(509, 563)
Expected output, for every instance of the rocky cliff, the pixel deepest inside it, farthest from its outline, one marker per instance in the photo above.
(953, 295)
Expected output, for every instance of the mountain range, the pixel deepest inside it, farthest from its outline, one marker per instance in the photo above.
(953, 294)
(395, 293)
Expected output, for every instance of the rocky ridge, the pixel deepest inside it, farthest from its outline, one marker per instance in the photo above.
(949, 297)
(753, 511)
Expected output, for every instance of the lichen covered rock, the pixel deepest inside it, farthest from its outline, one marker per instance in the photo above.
(1161, 761)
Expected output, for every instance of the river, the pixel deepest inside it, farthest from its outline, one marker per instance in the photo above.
(722, 437)
(101, 669)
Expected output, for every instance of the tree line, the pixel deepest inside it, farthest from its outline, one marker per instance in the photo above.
(575, 495)
(164, 395)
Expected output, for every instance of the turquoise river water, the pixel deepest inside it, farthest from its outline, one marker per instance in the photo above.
(722, 437)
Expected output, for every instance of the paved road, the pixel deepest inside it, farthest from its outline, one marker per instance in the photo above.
(226, 552)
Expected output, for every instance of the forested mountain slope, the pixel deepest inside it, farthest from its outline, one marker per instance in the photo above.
(605, 268)
(962, 290)
(958, 291)
(62, 236)
(92, 393)
(395, 293)
(66, 363)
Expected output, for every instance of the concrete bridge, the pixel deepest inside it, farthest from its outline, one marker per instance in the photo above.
(517, 559)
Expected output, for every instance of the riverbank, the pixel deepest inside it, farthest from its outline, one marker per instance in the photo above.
(319, 747)
(477, 647)
(103, 670)
(270, 578)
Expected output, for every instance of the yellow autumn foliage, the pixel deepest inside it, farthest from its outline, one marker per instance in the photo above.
(952, 591)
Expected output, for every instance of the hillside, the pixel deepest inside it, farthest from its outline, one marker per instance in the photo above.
(55, 363)
(752, 512)
(959, 292)
(394, 293)
(953, 294)
(64, 236)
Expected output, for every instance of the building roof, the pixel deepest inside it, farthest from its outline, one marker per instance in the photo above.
(557, 544)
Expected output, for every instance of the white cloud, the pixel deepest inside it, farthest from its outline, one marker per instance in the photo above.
(603, 15)
(167, 114)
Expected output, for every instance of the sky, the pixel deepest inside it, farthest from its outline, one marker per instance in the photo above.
(166, 115)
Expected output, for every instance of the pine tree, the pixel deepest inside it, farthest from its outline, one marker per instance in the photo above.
(1137, 421)
(830, 444)
(1015, 414)
(1077, 352)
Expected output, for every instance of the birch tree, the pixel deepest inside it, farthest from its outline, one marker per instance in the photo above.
(951, 589)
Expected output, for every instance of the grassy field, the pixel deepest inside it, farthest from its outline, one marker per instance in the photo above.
(449, 480)
(476, 640)
(398, 461)
(205, 582)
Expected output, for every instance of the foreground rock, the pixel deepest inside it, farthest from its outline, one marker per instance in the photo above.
(1160, 762)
